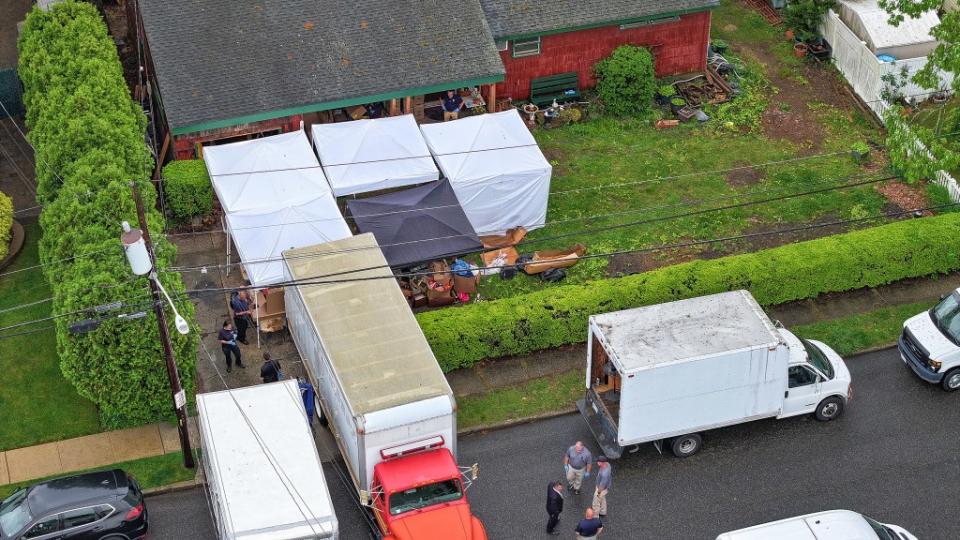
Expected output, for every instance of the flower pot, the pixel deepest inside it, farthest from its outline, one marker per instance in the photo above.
(789, 34)
(800, 50)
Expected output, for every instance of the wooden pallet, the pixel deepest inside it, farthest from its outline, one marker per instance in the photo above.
(770, 14)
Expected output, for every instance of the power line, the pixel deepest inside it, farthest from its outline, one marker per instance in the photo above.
(59, 261)
(24, 135)
(564, 235)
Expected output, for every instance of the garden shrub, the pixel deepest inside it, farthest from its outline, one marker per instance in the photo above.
(187, 189)
(89, 137)
(6, 222)
(558, 316)
(625, 81)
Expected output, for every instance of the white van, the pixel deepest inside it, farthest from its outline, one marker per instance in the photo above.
(930, 343)
(830, 525)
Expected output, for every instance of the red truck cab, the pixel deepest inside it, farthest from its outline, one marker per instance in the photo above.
(421, 496)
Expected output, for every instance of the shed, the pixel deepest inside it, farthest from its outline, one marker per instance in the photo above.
(274, 197)
(910, 39)
(372, 155)
(496, 168)
(416, 225)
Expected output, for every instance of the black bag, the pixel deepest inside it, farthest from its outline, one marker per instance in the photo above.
(553, 275)
(508, 272)
(522, 261)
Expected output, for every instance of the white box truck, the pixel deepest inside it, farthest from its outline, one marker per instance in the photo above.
(388, 404)
(263, 474)
(930, 343)
(829, 525)
(668, 372)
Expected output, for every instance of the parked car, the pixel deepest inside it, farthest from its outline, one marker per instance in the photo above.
(830, 525)
(105, 505)
(930, 343)
(669, 372)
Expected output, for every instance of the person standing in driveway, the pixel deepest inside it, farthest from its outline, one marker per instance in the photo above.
(228, 344)
(270, 370)
(603, 485)
(554, 506)
(577, 463)
(588, 527)
(240, 304)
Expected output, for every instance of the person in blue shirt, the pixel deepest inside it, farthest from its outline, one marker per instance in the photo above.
(309, 398)
(240, 304)
(589, 526)
(452, 103)
(603, 486)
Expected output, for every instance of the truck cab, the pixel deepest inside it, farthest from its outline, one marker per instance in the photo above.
(818, 380)
(421, 496)
(930, 343)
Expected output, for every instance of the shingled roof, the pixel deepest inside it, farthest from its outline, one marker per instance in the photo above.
(515, 18)
(226, 62)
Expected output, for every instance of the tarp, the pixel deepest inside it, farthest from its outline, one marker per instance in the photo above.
(371, 155)
(274, 197)
(417, 224)
(258, 447)
(496, 169)
(910, 39)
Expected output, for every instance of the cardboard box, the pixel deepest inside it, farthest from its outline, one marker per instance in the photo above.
(440, 297)
(463, 284)
(489, 259)
(358, 112)
(419, 300)
(554, 258)
(440, 272)
(511, 238)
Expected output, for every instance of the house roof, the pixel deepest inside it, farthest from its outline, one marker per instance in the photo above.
(227, 62)
(517, 18)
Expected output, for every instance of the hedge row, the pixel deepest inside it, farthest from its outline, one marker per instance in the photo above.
(549, 318)
(89, 137)
(6, 222)
(187, 189)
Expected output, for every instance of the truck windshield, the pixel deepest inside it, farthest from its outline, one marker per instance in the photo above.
(883, 532)
(946, 315)
(423, 496)
(13, 514)
(817, 359)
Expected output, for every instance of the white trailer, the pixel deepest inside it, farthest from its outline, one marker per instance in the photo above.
(263, 474)
(666, 373)
(378, 381)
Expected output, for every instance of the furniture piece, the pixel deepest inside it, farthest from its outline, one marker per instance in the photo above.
(562, 87)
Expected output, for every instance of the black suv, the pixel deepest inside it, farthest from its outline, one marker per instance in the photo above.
(105, 505)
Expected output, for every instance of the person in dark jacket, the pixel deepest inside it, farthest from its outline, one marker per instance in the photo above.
(228, 344)
(309, 398)
(240, 303)
(270, 370)
(554, 506)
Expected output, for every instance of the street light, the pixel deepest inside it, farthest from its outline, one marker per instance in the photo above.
(139, 251)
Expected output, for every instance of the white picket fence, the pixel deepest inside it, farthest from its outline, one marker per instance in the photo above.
(950, 183)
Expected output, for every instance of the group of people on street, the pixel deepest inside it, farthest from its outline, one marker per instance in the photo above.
(577, 465)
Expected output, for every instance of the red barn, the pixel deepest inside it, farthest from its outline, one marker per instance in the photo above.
(539, 38)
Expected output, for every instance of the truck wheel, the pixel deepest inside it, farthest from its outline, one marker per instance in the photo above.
(951, 381)
(829, 409)
(686, 445)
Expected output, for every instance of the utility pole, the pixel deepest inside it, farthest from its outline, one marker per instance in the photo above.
(179, 397)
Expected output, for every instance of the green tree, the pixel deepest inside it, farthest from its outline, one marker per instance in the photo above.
(946, 56)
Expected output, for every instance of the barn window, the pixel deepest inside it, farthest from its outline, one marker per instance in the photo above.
(502, 44)
(648, 22)
(526, 47)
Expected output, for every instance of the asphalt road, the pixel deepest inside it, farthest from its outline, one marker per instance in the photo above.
(893, 455)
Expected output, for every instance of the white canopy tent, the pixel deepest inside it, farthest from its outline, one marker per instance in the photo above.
(274, 197)
(371, 155)
(910, 39)
(496, 169)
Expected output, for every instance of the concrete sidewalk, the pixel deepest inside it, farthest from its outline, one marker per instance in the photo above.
(90, 451)
(513, 370)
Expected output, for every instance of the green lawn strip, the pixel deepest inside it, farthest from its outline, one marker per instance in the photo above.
(539, 396)
(150, 472)
(38, 404)
(857, 333)
(847, 336)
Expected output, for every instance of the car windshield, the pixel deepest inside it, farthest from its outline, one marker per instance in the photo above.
(423, 496)
(947, 317)
(817, 359)
(883, 532)
(14, 514)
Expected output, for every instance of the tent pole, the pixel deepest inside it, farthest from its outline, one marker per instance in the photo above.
(256, 298)
(223, 226)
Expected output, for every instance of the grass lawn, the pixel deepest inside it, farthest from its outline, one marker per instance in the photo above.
(38, 404)
(847, 336)
(858, 333)
(675, 166)
(150, 472)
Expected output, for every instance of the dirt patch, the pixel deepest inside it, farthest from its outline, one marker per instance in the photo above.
(904, 196)
(744, 175)
(557, 159)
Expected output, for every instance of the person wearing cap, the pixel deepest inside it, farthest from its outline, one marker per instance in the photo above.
(577, 463)
(588, 527)
(603, 485)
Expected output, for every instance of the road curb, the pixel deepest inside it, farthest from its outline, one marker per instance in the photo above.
(515, 421)
(172, 488)
(875, 349)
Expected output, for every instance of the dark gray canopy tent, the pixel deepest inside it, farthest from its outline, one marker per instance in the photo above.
(417, 225)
